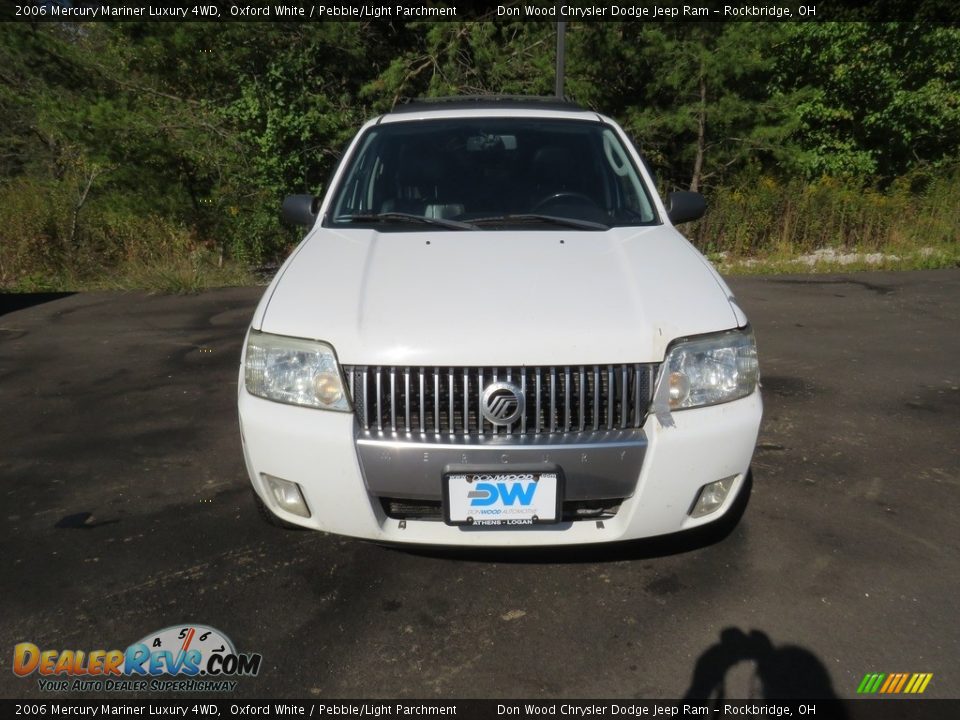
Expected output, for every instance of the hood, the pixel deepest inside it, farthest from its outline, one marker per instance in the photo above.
(494, 298)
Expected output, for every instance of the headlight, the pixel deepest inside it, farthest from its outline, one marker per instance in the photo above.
(711, 369)
(295, 371)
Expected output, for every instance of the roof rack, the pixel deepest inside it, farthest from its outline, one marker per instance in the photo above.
(461, 102)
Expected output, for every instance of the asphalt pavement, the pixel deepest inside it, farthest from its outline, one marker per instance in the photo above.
(126, 510)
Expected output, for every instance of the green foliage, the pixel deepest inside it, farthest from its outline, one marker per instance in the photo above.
(161, 151)
(758, 214)
(881, 98)
(714, 73)
(468, 58)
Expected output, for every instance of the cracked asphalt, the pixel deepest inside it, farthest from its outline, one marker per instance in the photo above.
(126, 510)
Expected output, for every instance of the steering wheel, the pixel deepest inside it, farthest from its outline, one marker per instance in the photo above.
(568, 195)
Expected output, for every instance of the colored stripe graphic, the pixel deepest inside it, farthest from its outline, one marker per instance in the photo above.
(871, 683)
(894, 683)
(891, 681)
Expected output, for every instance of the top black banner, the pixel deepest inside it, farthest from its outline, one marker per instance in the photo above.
(934, 11)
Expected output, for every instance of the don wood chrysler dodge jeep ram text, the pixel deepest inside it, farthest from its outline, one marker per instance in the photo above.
(493, 335)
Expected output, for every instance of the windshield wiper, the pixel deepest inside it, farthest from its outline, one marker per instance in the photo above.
(536, 217)
(401, 217)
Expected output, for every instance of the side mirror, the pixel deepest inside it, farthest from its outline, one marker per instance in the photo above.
(300, 209)
(684, 206)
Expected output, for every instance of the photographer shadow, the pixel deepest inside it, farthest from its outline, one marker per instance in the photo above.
(787, 672)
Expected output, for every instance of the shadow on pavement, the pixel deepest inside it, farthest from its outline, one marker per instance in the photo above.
(81, 521)
(11, 302)
(784, 672)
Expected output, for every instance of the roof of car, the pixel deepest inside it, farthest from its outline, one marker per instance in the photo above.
(488, 106)
(487, 102)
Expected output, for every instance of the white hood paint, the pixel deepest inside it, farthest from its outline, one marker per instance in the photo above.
(496, 297)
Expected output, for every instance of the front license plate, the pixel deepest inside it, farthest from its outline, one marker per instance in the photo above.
(494, 499)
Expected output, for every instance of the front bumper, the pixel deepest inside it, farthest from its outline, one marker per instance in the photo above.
(317, 450)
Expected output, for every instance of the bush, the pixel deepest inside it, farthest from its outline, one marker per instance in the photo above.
(46, 245)
(28, 232)
(42, 249)
(758, 214)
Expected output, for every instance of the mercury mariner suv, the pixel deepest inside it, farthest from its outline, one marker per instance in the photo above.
(493, 335)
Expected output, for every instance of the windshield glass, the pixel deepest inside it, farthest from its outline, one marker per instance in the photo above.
(491, 173)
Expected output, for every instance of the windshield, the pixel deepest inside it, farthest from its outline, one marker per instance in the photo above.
(491, 173)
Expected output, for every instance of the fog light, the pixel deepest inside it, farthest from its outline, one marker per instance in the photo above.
(286, 495)
(711, 496)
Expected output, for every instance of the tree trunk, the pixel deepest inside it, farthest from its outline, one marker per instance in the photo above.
(701, 134)
(78, 206)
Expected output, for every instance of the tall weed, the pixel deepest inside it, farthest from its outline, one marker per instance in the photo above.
(761, 215)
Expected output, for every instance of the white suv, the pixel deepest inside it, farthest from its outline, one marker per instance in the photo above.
(493, 335)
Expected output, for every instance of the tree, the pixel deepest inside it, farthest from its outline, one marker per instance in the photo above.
(468, 58)
(702, 110)
(880, 98)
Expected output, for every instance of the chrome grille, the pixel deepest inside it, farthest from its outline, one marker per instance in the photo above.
(445, 401)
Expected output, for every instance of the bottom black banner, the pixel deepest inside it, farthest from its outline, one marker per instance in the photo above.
(893, 709)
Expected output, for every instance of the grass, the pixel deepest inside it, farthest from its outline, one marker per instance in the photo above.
(177, 277)
(759, 225)
(180, 277)
(755, 225)
(185, 276)
(831, 261)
